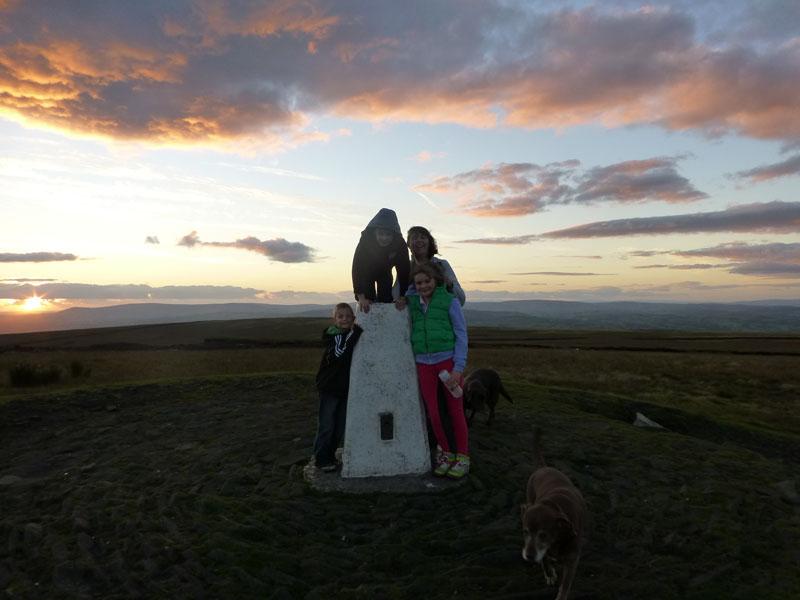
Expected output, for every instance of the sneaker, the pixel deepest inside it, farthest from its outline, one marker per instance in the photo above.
(443, 463)
(460, 468)
(328, 467)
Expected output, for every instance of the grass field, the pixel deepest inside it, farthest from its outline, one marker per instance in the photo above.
(174, 470)
(748, 379)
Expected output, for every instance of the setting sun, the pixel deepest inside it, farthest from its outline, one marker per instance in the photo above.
(33, 303)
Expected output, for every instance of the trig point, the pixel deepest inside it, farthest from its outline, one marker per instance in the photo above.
(385, 433)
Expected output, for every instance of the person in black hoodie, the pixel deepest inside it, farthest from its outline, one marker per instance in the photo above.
(333, 383)
(380, 249)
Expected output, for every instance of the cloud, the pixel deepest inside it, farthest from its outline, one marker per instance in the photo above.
(768, 269)
(9, 257)
(742, 251)
(560, 274)
(790, 166)
(512, 190)
(24, 280)
(765, 260)
(151, 239)
(277, 249)
(216, 72)
(190, 240)
(681, 291)
(680, 267)
(426, 156)
(301, 297)
(501, 241)
(768, 217)
(86, 291)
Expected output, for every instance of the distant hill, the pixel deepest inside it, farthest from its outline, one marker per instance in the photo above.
(635, 316)
(149, 314)
(780, 316)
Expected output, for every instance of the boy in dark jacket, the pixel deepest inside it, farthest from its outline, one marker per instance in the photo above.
(333, 383)
(380, 249)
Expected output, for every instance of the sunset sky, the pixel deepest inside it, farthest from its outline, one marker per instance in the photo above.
(232, 151)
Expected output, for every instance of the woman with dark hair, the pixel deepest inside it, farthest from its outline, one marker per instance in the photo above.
(423, 251)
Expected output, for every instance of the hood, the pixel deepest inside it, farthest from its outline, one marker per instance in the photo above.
(385, 219)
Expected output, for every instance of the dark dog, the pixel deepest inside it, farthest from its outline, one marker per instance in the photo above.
(552, 521)
(482, 389)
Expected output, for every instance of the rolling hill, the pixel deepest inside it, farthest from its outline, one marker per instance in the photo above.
(782, 316)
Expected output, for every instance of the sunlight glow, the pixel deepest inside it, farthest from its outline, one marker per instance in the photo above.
(33, 303)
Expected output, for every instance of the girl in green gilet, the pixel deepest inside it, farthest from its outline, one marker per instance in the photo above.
(439, 338)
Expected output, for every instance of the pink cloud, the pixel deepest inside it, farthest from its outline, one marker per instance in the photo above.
(512, 190)
(786, 168)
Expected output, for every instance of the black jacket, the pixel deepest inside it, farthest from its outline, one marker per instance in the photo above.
(373, 263)
(333, 376)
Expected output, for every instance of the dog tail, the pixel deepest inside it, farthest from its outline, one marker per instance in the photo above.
(504, 393)
(538, 459)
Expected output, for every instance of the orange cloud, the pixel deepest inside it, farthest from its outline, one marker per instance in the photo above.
(259, 71)
(263, 20)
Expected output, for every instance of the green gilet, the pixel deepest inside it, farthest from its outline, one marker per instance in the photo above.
(432, 330)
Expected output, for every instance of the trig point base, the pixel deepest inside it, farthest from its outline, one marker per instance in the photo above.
(385, 433)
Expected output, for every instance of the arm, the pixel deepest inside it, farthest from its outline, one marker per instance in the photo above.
(450, 277)
(460, 331)
(359, 287)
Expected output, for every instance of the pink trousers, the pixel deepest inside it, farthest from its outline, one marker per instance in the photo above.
(429, 383)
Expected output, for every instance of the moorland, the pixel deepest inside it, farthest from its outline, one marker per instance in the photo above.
(166, 461)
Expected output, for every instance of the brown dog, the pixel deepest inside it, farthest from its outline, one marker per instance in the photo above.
(482, 388)
(552, 521)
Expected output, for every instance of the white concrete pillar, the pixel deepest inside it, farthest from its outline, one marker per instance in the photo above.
(385, 433)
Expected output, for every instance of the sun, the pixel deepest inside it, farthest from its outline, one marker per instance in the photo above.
(33, 303)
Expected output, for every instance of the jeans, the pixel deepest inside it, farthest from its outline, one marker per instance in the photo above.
(330, 427)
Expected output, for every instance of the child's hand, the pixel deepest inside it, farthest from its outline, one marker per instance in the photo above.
(363, 303)
(400, 303)
(454, 379)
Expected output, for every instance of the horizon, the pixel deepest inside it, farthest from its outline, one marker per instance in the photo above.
(767, 317)
(567, 151)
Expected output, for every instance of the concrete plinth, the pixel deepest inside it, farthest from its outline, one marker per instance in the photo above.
(385, 433)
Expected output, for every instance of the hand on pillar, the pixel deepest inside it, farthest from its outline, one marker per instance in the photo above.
(363, 303)
(400, 303)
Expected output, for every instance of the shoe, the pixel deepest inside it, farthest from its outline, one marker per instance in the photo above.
(328, 467)
(443, 463)
(460, 468)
